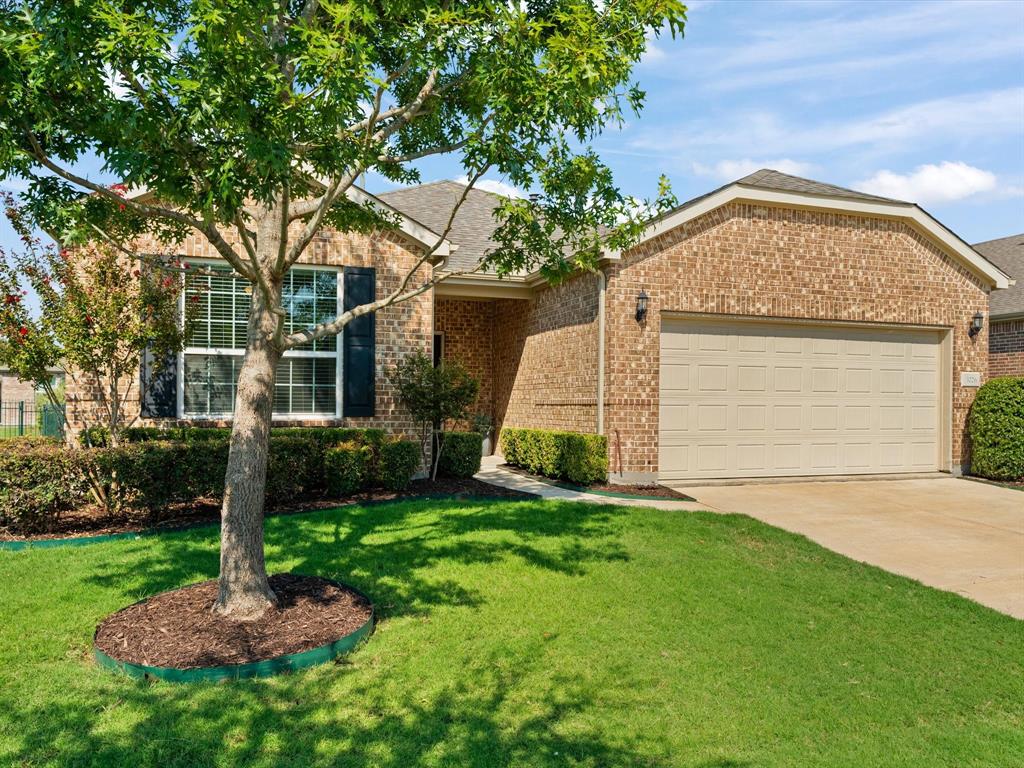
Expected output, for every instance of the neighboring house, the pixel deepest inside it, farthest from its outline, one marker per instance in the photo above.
(774, 327)
(1006, 308)
(14, 391)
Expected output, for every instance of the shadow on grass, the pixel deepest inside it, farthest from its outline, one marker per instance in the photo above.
(387, 550)
(479, 718)
(503, 709)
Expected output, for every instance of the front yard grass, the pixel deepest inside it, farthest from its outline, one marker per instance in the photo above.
(530, 634)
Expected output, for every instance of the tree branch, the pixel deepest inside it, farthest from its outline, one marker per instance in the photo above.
(206, 227)
(334, 190)
(400, 294)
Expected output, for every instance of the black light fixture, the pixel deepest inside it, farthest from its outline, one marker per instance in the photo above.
(977, 323)
(641, 306)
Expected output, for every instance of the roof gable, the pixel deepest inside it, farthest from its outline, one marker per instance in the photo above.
(774, 188)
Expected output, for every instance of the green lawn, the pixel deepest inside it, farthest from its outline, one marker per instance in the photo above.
(530, 634)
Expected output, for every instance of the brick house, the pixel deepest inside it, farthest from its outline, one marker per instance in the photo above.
(773, 327)
(1006, 308)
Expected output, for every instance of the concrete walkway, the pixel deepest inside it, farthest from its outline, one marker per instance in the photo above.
(491, 473)
(953, 534)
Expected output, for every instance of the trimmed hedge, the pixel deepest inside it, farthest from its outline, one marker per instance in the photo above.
(579, 458)
(41, 480)
(397, 462)
(188, 434)
(996, 428)
(347, 468)
(461, 454)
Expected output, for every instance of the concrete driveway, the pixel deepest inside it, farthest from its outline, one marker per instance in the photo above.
(953, 534)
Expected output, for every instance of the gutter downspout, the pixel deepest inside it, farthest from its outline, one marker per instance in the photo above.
(602, 286)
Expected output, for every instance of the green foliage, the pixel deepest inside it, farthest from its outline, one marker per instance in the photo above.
(460, 454)
(99, 312)
(579, 458)
(190, 434)
(433, 395)
(214, 104)
(39, 481)
(996, 429)
(347, 467)
(397, 462)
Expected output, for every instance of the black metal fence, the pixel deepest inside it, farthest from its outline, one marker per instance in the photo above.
(28, 419)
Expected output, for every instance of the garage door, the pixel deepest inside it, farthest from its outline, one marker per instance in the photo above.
(754, 399)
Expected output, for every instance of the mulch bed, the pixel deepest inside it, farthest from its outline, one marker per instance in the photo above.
(652, 491)
(92, 521)
(179, 629)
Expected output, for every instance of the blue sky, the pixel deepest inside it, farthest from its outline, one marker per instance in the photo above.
(921, 101)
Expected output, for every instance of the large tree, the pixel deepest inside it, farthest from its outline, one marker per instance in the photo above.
(250, 121)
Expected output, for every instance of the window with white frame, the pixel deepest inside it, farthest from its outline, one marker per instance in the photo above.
(307, 377)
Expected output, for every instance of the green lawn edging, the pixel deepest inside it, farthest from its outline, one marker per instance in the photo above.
(279, 665)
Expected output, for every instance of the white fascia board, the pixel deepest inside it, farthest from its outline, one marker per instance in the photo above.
(410, 227)
(952, 244)
(482, 287)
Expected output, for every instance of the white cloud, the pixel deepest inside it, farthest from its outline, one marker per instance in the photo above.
(729, 170)
(931, 183)
(493, 185)
(959, 118)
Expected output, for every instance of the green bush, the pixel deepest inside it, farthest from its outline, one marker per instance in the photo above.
(189, 434)
(39, 481)
(295, 469)
(573, 456)
(460, 454)
(346, 468)
(996, 428)
(583, 458)
(397, 462)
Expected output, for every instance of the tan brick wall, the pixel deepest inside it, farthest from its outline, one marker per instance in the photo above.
(468, 328)
(746, 259)
(13, 391)
(545, 358)
(401, 329)
(1006, 348)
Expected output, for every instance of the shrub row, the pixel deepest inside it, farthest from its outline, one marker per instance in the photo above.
(97, 436)
(996, 428)
(353, 466)
(573, 456)
(460, 454)
(40, 480)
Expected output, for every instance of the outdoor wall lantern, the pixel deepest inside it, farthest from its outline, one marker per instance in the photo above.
(977, 323)
(641, 306)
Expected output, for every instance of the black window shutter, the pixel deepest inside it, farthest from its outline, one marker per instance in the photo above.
(360, 344)
(161, 399)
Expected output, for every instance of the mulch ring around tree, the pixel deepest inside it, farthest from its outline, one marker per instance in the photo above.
(179, 630)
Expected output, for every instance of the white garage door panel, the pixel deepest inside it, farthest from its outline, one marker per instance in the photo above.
(760, 400)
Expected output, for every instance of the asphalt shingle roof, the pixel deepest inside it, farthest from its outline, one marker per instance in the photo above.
(1007, 253)
(766, 178)
(431, 205)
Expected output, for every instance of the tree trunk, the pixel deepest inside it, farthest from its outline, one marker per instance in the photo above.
(244, 592)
